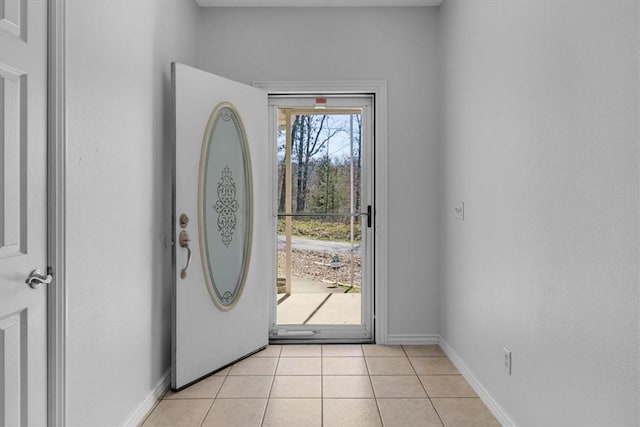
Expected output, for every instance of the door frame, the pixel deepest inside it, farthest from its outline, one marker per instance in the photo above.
(56, 213)
(340, 105)
(380, 152)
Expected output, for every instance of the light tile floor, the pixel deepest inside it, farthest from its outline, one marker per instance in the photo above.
(329, 385)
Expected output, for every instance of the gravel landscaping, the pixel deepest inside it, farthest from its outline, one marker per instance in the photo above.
(313, 265)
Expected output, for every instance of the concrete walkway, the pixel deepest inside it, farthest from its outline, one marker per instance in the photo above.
(313, 303)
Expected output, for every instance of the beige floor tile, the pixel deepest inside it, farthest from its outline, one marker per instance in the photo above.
(290, 386)
(408, 412)
(293, 413)
(178, 413)
(350, 413)
(397, 386)
(350, 386)
(301, 350)
(236, 413)
(204, 389)
(223, 372)
(246, 386)
(255, 366)
(299, 366)
(270, 351)
(464, 412)
(342, 350)
(344, 366)
(389, 366)
(447, 386)
(423, 350)
(374, 350)
(433, 366)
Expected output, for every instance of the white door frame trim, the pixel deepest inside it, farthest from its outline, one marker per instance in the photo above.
(379, 90)
(56, 213)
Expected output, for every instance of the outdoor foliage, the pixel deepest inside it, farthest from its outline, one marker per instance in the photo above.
(322, 164)
(328, 196)
(322, 230)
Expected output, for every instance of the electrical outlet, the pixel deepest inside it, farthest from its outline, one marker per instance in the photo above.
(507, 361)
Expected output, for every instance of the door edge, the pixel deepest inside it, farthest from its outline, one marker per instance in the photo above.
(56, 213)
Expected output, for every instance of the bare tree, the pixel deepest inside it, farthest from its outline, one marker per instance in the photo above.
(357, 154)
(309, 134)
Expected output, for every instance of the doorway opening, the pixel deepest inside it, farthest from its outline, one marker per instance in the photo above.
(324, 203)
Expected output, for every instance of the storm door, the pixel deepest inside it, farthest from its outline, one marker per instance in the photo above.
(323, 206)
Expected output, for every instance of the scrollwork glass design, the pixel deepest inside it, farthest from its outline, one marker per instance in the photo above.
(225, 209)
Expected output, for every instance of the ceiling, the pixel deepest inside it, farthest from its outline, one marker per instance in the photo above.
(316, 3)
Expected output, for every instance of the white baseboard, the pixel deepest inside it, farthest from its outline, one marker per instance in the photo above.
(150, 401)
(412, 339)
(497, 411)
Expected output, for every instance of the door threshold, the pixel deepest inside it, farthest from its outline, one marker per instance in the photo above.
(277, 340)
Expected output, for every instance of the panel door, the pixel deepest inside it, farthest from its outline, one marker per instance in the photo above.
(23, 210)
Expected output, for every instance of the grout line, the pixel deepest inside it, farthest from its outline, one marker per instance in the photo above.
(224, 381)
(425, 391)
(321, 383)
(410, 364)
(373, 390)
(436, 411)
(375, 399)
(457, 398)
(273, 378)
(208, 410)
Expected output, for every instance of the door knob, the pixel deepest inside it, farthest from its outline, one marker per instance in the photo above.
(37, 279)
(183, 240)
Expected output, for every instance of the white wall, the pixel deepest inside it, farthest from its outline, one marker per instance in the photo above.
(118, 205)
(398, 45)
(539, 139)
(541, 143)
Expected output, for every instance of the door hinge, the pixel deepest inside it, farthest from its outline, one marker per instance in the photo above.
(50, 270)
(369, 216)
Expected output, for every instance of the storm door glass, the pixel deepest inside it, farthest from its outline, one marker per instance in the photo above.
(323, 208)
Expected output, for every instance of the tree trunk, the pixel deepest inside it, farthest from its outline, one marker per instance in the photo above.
(283, 189)
(303, 137)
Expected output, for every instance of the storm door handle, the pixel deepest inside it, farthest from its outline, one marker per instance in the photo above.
(368, 215)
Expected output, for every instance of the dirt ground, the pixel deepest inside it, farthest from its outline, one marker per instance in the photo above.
(313, 265)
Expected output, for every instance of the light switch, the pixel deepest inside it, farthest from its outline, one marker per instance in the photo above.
(460, 211)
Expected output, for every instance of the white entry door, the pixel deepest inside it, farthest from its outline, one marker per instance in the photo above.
(23, 213)
(223, 246)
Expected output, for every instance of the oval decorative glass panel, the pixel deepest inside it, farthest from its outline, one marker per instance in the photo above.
(225, 212)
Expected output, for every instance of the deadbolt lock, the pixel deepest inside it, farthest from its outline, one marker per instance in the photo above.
(184, 221)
